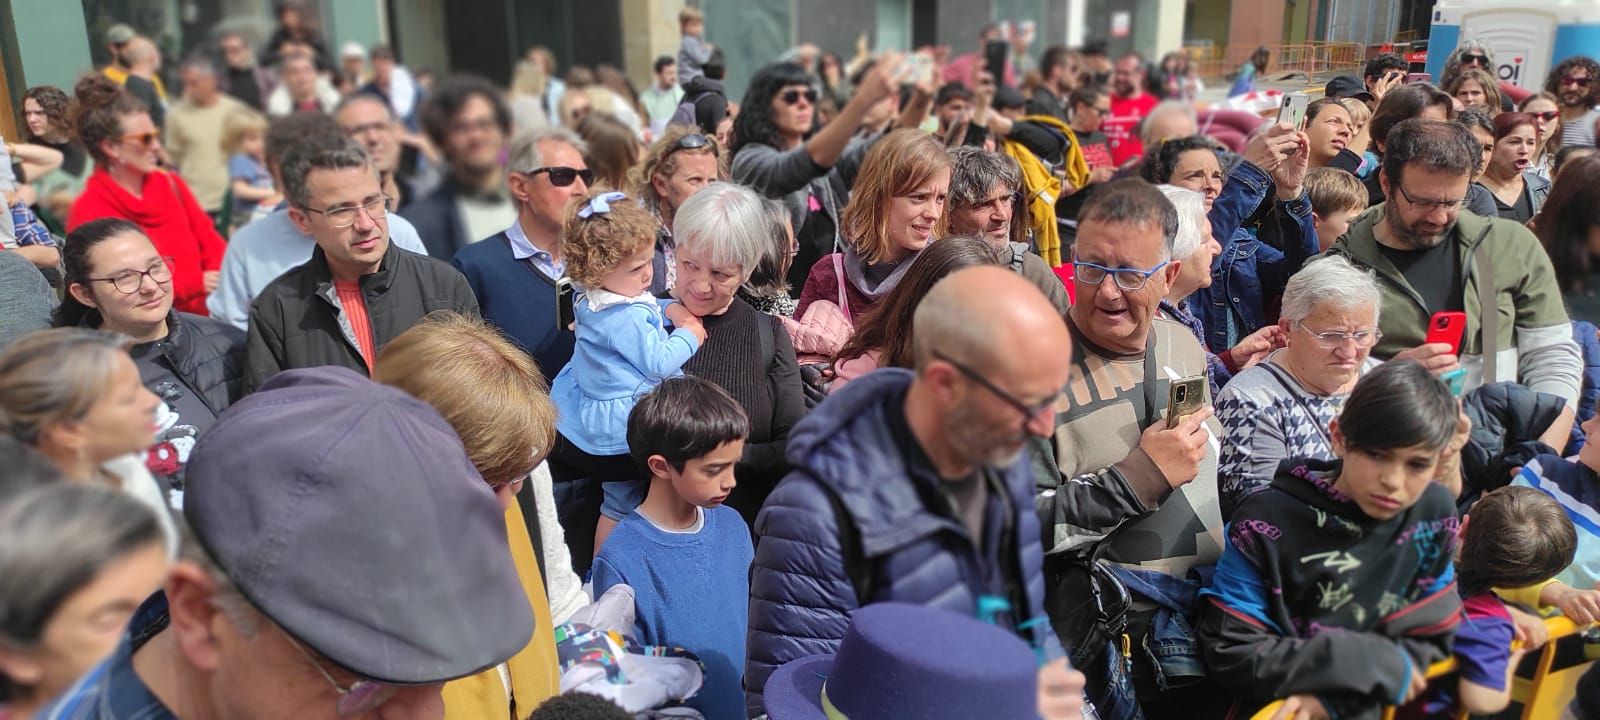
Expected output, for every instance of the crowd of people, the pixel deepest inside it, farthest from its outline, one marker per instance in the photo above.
(901, 386)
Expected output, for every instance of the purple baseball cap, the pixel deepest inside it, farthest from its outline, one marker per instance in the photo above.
(348, 513)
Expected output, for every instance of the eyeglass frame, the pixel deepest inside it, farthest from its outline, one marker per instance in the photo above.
(1426, 204)
(364, 700)
(683, 143)
(382, 198)
(1143, 280)
(1578, 81)
(810, 94)
(142, 274)
(585, 174)
(147, 139)
(1344, 337)
(1029, 412)
(1477, 58)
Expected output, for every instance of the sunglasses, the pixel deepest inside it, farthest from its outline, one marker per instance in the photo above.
(564, 176)
(1474, 59)
(146, 139)
(1579, 81)
(695, 141)
(792, 97)
(1547, 115)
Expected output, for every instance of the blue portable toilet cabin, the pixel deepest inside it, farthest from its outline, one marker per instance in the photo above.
(1528, 37)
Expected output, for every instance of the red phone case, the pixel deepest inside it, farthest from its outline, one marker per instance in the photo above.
(1447, 327)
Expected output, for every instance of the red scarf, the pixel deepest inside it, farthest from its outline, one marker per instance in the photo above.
(167, 211)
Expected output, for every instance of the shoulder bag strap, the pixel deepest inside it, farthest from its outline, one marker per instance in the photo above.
(844, 300)
(1301, 401)
(1152, 380)
(1488, 310)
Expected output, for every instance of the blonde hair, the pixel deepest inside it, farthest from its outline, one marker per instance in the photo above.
(55, 376)
(898, 164)
(661, 159)
(240, 124)
(596, 245)
(689, 15)
(1360, 114)
(491, 392)
(1331, 190)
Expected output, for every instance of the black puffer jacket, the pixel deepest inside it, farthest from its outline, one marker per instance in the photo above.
(1507, 420)
(208, 355)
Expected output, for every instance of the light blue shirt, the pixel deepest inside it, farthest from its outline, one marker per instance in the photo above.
(523, 249)
(264, 249)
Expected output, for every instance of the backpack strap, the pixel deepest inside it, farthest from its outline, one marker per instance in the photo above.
(1488, 310)
(764, 340)
(856, 566)
(844, 300)
(1018, 250)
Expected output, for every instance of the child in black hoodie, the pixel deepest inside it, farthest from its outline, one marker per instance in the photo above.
(1336, 583)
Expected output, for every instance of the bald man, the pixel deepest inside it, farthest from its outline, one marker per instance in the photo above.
(911, 485)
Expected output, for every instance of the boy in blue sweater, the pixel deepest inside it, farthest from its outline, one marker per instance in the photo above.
(686, 556)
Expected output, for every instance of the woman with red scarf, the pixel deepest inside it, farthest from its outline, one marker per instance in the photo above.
(129, 182)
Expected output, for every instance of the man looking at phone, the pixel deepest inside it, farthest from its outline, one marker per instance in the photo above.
(1432, 258)
(1129, 105)
(913, 485)
(1136, 487)
(516, 274)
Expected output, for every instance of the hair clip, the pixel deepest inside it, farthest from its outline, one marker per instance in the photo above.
(600, 204)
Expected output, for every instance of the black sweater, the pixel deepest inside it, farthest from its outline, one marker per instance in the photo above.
(768, 388)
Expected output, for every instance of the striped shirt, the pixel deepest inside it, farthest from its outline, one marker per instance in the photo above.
(1581, 131)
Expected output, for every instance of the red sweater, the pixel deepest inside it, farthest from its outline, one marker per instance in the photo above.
(174, 220)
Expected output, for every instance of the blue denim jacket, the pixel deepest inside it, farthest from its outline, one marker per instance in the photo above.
(1172, 646)
(1248, 271)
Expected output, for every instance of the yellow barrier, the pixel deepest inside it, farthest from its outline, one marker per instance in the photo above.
(1543, 696)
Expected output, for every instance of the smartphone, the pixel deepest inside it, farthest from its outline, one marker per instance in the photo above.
(1184, 398)
(564, 298)
(1447, 327)
(1293, 109)
(1456, 380)
(994, 60)
(919, 70)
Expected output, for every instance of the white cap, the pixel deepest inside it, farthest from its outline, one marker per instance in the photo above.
(353, 49)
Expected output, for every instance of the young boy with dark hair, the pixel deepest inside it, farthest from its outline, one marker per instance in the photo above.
(1337, 197)
(1336, 584)
(686, 556)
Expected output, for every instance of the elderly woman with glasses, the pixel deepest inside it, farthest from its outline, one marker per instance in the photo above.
(129, 182)
(723, 233)
(1280, 408)
(116, 281)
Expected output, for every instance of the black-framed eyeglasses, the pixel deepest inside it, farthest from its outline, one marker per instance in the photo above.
(344, 216)
(792, 97)
(1331, 339)
(360, 697)
(1426, 204)
(563, 176)
(128, 282)
(1130, 279)
(1029, 410)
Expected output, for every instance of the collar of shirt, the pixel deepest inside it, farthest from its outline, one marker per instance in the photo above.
(600, 299)
(523, 249)
(112, 690)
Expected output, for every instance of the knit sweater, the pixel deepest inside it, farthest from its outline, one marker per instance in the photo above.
(768, 388)
(174, 220)
(692, 590)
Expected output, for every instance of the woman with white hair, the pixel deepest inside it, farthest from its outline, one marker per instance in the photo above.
(1193, 249)
(722, 232)
(1280, 409)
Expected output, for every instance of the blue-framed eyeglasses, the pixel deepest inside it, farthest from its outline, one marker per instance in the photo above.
(1130, 279)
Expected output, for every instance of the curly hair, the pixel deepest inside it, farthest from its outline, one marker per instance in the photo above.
(661, 159)
(754, 122)
(1160, 161)
(56, 106)
(897, 165)
(596, 245)
(101, 106)
(1552, 82)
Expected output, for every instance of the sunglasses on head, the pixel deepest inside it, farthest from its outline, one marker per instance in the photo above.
(792, 97)
(146, 138)
(564, 176)
(693, 141)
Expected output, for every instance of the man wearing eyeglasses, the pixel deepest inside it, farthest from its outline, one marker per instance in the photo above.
(264, 249)
(341, 558)
(469, 122)
(983, 197)
(1430, 257)
(1132, 488)
(912, 485)
(358, 291)
(1575, 81)
(518, 274)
